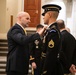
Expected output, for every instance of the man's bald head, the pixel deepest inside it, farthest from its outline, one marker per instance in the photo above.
(61, 24)
(20, 14)
(23, 18)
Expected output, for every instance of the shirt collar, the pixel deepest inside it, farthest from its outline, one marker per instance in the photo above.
(62, 29)
(21, 26)
(50, 24)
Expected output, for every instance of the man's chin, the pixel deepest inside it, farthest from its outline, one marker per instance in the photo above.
(45, 23)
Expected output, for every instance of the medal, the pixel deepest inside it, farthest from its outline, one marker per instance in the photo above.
(37, 47)
(36, 42)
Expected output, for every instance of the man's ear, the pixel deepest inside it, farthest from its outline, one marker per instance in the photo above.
(50, 14)
(19, 18)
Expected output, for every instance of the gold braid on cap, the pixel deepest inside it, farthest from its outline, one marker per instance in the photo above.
(52, 7)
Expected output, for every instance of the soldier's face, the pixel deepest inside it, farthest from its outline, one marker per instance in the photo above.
(46, 18)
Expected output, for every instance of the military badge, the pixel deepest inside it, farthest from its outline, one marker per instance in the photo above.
(43, 54)
(36, 42)
(51, 44)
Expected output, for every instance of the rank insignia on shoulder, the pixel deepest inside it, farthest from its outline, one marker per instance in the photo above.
(51, 44)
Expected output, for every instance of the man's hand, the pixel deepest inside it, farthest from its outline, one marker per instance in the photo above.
(41, 32)
(34, 65)
(73, 68)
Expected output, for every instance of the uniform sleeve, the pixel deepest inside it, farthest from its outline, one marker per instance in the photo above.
(74, 58)
(74, 55)
(32, 52)
(53, 40)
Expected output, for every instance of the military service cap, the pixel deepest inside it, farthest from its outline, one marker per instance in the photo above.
(50, 7)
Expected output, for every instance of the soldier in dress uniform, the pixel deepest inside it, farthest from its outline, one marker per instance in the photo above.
(35, 52)
(51, 41)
